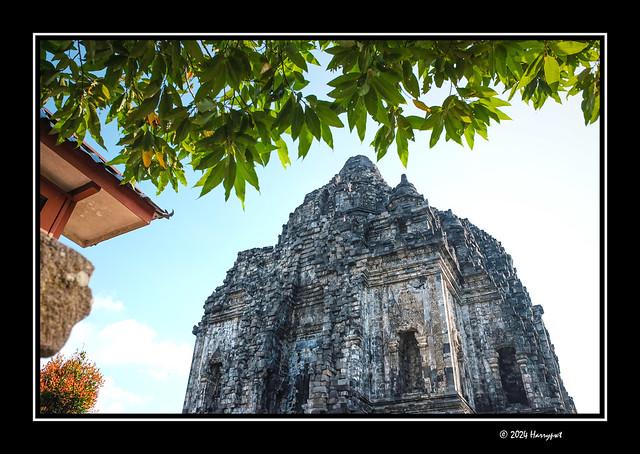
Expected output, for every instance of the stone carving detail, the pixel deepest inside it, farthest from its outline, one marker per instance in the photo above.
(407, 314)
(373, 301)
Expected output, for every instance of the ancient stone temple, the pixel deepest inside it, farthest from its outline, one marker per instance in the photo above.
(373, 301)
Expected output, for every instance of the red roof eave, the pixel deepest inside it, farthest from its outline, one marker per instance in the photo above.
(93, 166)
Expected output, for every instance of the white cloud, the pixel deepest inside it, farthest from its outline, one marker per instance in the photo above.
(113, 399)
(107, 303)
(151, 370)
(131, 343)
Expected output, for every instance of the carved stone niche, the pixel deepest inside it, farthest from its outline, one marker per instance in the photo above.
(410, 364)
(211, 384)
(408, 348)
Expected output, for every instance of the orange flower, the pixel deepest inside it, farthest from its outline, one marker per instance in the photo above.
(69, 386)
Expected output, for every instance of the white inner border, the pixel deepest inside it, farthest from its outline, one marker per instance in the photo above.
(243, 418)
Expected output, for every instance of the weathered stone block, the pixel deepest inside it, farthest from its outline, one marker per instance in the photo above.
(65, 296)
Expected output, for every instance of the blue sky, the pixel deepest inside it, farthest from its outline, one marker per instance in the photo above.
(533, 186)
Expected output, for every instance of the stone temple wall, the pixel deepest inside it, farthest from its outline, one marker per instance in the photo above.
(372, 301)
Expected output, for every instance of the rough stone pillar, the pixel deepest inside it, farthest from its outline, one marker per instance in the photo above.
(65, 296)
(496, 395)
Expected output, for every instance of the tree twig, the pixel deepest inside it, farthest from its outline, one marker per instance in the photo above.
(81, 69)
(205, 48)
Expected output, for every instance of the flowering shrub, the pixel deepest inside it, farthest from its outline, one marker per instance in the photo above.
(69, 386)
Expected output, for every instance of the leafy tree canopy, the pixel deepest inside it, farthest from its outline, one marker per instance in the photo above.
(225, 106)
(69, 386)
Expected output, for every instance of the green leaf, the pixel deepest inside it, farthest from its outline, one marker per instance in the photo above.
(500, 56)
(183, 130)
(416, 122)
(82, 130)
(300, 81)
(202, 119)
(115, 107)
(420, 105)
(283, 120)
(248, 172)
(568, 47)
(304, 142)
(70, 125)
(361, 118)
(476, 92)
(283, 152)
(351, 117)
(403, 146)
(551, 70)
(495, 102)
(345, 79)
(531, 72)
(176, 115)
(213, 71)
(138, 49)
(94, 125)
(233, 72)
(205, 105)
(295, 57)
(453, 126)
(371, 102)
(265, 148)
(595, 110)
(90, 47)
(246, 141)
(344, 91)
(437, 130)
(468, 135)
(297, 121)
(384, 137)
(326, 135)
(328, 116)
(229, 177)
(313, 122)
(120, 159)
(163, 179)
(147, 106)
(383, 116)
(193, 49)
(364, 89)
(590, 104)
(203, 178)
(311, 59)
(409, 80)
(387, 90)
(240, 187)
(181, 178)
(105, 91)
(165, 104)
(242, 60)
(210, 159)
(502, 115)
(151, 89)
